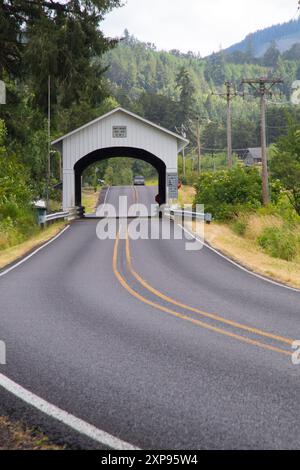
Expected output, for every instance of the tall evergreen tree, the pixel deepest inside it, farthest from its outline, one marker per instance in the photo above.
(187, 95)
(58, 39)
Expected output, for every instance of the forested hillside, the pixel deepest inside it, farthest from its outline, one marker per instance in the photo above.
(172, 89)
(285, 35)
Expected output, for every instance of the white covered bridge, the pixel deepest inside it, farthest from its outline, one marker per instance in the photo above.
(119, 133)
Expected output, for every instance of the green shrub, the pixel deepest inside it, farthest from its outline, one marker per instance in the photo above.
(227, 193)
(17, 218)
(239, 227)
(279, 243)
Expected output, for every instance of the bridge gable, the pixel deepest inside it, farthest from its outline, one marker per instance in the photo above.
(120, 128)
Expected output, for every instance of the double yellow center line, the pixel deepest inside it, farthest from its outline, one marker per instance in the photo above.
(197, 322)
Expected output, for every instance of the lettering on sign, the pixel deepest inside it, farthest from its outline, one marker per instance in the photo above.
(119, 132)
(172, 185)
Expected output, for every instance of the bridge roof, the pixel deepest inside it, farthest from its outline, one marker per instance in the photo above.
(182, 142)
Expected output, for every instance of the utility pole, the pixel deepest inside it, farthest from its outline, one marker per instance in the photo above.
(262, 87)
(229, 124)
(49, 145)
(199, 145)
(230, 95)
(182, 131)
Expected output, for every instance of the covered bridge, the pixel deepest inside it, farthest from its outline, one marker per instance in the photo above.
(119, 133)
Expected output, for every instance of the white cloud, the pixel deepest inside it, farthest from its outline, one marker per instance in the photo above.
(197, 25)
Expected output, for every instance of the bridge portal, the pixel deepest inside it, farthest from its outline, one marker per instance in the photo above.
(119, 133)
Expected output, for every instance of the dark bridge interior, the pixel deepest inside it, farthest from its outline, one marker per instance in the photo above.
(131, 152)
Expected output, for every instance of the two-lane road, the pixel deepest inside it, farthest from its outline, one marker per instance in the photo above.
(157, 346)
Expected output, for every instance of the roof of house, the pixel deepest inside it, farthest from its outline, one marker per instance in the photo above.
(255, 152)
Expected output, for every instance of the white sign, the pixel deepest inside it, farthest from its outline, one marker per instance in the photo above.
(2, 92)
(119, 132)
(172, 185)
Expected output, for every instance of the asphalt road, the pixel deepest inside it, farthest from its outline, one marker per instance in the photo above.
(160, 347)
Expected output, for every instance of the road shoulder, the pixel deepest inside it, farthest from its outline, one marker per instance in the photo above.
(245, 253)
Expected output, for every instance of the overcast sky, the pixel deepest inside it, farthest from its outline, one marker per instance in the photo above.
(196, 25)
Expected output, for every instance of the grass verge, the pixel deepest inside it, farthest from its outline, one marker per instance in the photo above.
(9, 255)
(90, 199)
(152, 182)
(246, 252)
(16, 436)
(186, 195)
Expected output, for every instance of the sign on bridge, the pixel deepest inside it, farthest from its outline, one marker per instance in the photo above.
(172, 185)
(119, 132)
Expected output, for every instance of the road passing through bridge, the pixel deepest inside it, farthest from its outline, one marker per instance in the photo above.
(159, 347)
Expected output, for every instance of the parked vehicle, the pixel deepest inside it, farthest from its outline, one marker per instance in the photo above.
(139, 181)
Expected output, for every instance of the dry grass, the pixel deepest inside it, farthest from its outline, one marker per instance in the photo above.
(186, 195)
(16, 436)
(244, 251)
(90, 199)
(256, 224)
(9, 255)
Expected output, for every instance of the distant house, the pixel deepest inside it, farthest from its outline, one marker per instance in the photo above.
(253, 156)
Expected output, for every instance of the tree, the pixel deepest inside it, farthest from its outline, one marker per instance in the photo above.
(10, 46)
(159, 109)
(249, 51)
(187, 95)
(58, 39)
(293, 53)
(271, 56)
(226, 192)
(285, 164)
(215, 69)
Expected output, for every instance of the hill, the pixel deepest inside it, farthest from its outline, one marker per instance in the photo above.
(146, 81)
(285, 35)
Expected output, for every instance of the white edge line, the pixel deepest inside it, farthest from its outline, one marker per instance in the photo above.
(259, 276)
(106, 195)
(51, 410)
(64, 417)
(23, 260)
(105, 199)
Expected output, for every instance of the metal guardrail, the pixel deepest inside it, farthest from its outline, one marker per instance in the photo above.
(56, 216)
(189, 215)
(75, 213)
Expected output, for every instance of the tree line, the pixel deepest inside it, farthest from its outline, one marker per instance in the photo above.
(172, 89)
